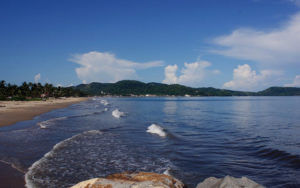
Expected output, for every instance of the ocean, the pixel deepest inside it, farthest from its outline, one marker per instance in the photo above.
(191, 138)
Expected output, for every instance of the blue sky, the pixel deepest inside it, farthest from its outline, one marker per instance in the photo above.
(233, 44)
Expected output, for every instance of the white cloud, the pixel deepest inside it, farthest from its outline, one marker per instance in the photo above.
(246, 79)
(106, 67)
(170, 74)
(191, 74)
(269, 48)
(296, 82)
(37, 78)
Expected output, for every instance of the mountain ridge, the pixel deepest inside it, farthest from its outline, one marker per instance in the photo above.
(134, 87)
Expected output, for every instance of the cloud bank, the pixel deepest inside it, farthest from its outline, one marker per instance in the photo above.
(37, 78)
(296, 82)
(191, 74)
(106, 67)
(246, 79)
(269, 48)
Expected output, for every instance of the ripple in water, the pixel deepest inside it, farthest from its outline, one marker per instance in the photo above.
(88, 155)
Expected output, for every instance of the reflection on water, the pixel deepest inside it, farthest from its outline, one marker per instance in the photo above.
(170, 107)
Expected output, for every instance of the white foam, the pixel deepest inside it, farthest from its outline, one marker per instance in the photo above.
(156, 129)
(105, 109)
(91, 154)
(29, 176)
(104, 102)
(49, 122)
(167, 172)
(117, 114)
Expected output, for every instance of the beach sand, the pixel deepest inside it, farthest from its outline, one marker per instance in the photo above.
(12, 112)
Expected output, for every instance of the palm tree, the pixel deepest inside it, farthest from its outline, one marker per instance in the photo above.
(25, 89)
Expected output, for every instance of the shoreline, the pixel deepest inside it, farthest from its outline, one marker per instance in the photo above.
(11, 177)
(12, 112)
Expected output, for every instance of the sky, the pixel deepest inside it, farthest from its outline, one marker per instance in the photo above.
(246, 45)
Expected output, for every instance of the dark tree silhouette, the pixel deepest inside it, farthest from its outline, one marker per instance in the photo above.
(35, 91)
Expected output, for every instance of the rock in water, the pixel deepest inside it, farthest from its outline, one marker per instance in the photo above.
(228, 182)
(132, 180)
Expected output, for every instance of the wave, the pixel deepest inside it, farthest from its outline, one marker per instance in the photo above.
(283, 157)
(91, 154)
(14, 166)
(156, 129)
(104, 102)
(31, 177)
(117, 114)
(47, 123)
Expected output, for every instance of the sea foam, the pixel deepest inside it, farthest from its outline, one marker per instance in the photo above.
(117, 114)
(104, 102)
(32, 181)
(49, 122)
(156, 129)
(91, 154)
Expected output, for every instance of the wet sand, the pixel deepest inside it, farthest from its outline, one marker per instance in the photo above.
(12, 112)
(10, 177)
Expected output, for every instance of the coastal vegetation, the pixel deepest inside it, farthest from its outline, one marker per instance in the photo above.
(35, 91)
(137, 88)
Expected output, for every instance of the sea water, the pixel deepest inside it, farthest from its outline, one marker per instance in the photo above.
(189, 138)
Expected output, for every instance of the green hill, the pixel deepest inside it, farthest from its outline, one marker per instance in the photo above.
(280, 91)
(132, 87)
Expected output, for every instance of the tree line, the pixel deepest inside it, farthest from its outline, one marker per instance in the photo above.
(35, 91)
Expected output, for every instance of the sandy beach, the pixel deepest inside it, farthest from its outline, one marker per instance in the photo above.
(12, 112)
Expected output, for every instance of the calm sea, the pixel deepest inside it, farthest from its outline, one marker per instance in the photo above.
(256, 137)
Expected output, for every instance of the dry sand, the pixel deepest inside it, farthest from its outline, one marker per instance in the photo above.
(12, 112)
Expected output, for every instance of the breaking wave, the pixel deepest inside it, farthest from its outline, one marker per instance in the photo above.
(104, 102)
(88, 155)
(47, 123)
(117, 114)
(156, 129)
